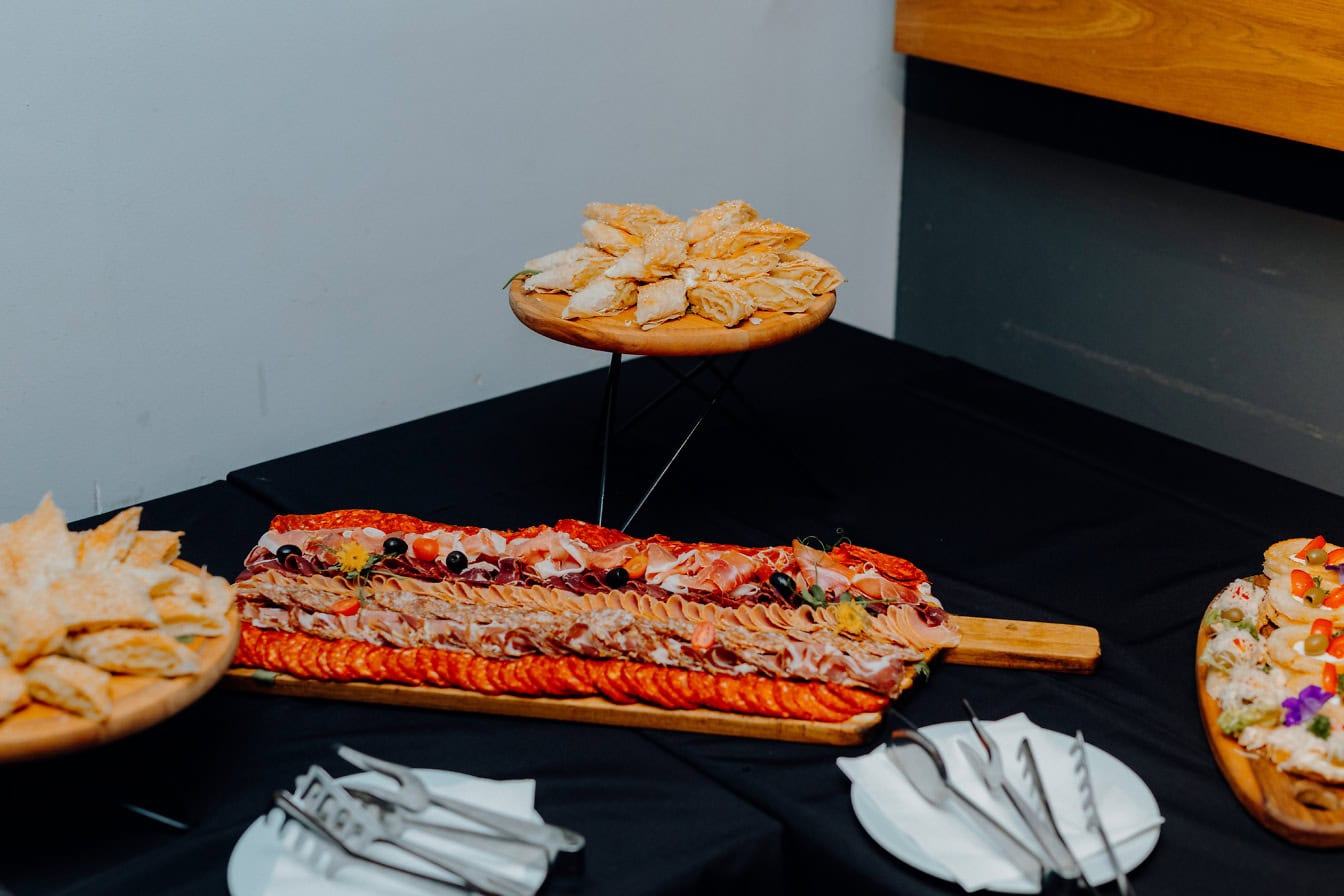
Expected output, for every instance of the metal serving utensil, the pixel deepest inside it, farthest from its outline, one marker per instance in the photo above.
(414, 796)
(1028, 760)
(990, 767)
(397, 820)
(919, 760)
(1079, 750)
(358, 829)
(326, 853)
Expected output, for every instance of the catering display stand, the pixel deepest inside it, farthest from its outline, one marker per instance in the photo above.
(690, 336)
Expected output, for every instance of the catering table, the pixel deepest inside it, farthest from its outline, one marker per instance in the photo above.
(1017, 504)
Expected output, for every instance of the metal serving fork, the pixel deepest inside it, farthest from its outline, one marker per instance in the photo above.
(991, 769)
(412, 795)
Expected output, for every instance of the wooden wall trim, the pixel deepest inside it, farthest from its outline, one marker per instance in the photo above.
(1275, 68)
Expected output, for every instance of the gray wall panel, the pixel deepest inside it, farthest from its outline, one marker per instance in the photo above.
(1194, 310)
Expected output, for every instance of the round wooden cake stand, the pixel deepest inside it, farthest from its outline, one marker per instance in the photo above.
(689, 336)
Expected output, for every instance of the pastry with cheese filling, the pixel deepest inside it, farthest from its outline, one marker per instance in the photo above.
(705, 223)
(134, 651)
(634, 217)
(723, 303)
(13, 689)
(601, 297)
(660, 302)
(106, 600)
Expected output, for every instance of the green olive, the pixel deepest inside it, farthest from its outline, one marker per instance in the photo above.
(1314, 596)
(1315, 644)
(1316, 556)
(1233, 614)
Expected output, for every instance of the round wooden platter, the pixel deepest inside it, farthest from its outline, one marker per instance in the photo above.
(687, 336)
(38, 731)
(1288, 805)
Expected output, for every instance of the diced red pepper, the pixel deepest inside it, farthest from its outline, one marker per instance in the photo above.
(1329, 678)
(1300, 582)
(1317, 542)
(1335, 599)
(1322, 626)
(1335, 557)
(1336, 647)
(346, 606)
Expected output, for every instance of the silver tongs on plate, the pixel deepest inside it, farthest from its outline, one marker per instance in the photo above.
(1039, 822)
(563, 847)
(1078, 749)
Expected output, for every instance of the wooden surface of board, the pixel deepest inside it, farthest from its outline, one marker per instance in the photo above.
(138, 701)
(1019, 644)
(985, 642)
(1275, 68)
(1295, 808)
(689, 336)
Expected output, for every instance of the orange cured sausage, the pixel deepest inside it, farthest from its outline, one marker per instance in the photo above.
(620, 681)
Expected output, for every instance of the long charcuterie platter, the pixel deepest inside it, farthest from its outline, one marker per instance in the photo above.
(800, 642)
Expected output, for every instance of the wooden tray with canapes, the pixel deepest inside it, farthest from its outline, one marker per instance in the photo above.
(1298, 809)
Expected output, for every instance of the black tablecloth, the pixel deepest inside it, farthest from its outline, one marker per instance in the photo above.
(1017, 504)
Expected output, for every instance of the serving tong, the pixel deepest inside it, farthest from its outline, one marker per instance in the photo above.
(333, 824)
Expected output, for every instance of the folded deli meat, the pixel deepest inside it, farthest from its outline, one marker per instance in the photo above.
(399, 594)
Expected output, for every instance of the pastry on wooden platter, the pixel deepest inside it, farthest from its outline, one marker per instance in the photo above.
(102, 632)
(730, 264)
(1270, 650)
(574, 610)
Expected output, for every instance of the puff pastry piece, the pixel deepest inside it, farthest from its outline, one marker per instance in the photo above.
(30, 625)
(739, 267)
(660, 302)
(726, 214)
(35, 549)
(724, 303)
(773, 294)
(108, 544)
(562, 256)
(572, 275)
(601, 297)
(658, 256)
(134, 651)
(815, 274)
(637, 218)
(759, 234)
(13, 690)
(612, 240)
(153, 547)
(70, 685)
(111, 599)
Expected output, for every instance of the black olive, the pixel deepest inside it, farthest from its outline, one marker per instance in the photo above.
(616, 577)
(456, 561)
(394, 546)
(783, 583)
(285, 551)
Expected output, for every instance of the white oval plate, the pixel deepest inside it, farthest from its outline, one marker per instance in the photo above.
(1107, 772)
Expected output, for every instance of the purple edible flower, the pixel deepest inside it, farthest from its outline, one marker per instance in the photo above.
(1305, 705)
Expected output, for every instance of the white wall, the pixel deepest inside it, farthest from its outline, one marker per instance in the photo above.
(234, 230)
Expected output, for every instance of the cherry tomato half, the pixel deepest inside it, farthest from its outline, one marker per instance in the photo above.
(425, 549)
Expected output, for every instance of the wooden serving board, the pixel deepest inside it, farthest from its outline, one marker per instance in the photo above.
(1277, 800)
(138, 701)
(985, 642)
(687, 336)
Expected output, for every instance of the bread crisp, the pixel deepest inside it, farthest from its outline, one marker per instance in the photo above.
(109, 599)
(106, 546)
(35, 549)
(30, 625)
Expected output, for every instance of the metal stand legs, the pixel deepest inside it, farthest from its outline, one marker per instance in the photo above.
(609, 409)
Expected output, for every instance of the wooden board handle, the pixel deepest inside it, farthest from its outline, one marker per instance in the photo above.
(1014, 644)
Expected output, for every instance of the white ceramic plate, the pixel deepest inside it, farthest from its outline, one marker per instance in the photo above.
(1107, 772)
(255, 855)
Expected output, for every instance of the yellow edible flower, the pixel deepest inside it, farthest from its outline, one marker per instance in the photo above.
(352, 557)
(850, 618)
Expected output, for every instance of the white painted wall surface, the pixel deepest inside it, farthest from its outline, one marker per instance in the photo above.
(233, 231)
